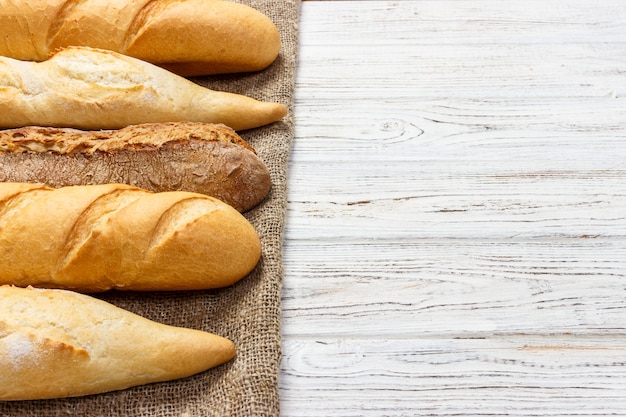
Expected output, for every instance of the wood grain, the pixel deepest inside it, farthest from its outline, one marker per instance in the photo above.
(456, 230)
(451, 377)
(469, 288)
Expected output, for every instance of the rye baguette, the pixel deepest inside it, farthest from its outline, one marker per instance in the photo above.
(185, 156)
(99, 237)
(92, 89)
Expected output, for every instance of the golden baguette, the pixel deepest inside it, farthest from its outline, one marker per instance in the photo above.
(92, 89)
(182, 156)
(190, 37)
(99, 237)
(56, 343)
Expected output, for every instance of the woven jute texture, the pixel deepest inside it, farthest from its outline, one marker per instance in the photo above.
(248, 312)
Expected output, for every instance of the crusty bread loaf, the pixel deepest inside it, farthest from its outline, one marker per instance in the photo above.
(56, 343)
(182, 156)
(98, 237)
(92, 89)
(191, 37)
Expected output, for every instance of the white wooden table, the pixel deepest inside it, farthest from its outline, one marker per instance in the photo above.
(456, 230)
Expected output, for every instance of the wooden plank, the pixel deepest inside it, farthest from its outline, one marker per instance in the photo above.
(435, 49)
(454, 288)
(562, 133)
(419, 203)
(473, 72)
(464, 22)
(519, 376)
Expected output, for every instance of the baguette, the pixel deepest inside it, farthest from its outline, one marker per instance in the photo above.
(190, 37)
(92, 89)
(185, 156)
(95, 238)
(56, 343)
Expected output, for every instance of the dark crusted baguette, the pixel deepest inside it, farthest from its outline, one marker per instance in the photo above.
(203, 158)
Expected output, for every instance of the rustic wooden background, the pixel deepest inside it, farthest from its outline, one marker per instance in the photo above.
(456, 230)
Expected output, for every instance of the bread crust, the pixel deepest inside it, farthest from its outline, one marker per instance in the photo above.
(93, 89)
(218, 37)
(185, 156)
(56, 343)
(99, 237)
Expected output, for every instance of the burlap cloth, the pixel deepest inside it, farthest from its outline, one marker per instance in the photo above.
(248, 313)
